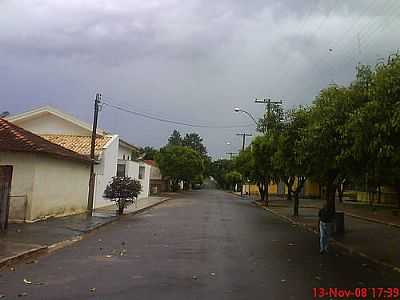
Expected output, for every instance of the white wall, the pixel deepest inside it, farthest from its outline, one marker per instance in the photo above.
(105, 171)
(155, 173)
(21, 182)
(47, 123)
(51, 186)
(132, 170)
(60, 187)
(124, 152)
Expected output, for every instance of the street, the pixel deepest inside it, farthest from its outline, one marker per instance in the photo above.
(205, 244)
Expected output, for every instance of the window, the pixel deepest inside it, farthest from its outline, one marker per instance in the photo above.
(121, 170)
(142, 170)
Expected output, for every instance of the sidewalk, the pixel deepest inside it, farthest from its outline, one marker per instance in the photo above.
(22, 240)
(377, 241)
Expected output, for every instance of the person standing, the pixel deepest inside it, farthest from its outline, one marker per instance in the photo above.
(326, 217)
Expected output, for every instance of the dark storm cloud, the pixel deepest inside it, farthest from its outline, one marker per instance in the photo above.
(186, 60)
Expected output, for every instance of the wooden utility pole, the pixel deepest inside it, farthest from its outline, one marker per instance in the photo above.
(268, 105)
(243, 135)
(92, 178)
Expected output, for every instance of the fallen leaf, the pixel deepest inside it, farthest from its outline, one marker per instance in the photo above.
(27, 281)
(19, 230)
(364, 265)
(212, 274)
(317, 277)
(291, 244)
(12, 269)
(283, 280)
(92, 290)
(108, 256)
(194, 277)
(22, 294)
(2, 296)
(32, 262)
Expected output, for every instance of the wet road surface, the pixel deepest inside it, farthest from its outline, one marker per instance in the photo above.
(204, 245)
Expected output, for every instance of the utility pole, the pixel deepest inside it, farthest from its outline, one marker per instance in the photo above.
(92, 157)
(268, 103)
(243, 135)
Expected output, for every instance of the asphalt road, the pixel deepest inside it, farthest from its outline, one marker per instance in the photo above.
(204, 245)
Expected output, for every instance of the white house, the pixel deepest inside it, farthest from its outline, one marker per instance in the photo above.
(45, 178)
(112, 153)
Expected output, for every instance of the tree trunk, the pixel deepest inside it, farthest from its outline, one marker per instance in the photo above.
(121, 206)
(296, 204)
(340, 192)
(379, 193)
(266, 192)
(330, 196)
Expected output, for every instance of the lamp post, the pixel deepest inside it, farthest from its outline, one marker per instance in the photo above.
(238, 109)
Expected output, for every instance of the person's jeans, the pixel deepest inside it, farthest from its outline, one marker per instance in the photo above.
(324, 231)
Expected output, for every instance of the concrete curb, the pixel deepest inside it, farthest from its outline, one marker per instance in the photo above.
(65, 243)
(21, 256)
(336, 243)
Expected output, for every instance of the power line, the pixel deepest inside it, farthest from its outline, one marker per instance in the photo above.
(151, 117)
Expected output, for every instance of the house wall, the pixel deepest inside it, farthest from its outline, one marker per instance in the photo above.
(124, 152)
(47, 123)
(155, 173)
(21, 184)
(132, 170)
(105, 171)
(44, 186)
(60, 187)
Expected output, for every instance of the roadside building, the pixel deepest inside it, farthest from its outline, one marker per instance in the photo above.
(46, 179)
(157, 183)
(112, 153)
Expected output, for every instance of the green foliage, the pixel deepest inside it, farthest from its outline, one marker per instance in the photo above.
(194, 141)
(149, 153)
(175, 139)
(179, 163)
(218, 169)
(123, 191)
(232, 178)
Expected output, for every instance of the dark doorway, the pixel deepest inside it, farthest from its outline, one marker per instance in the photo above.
(5, 188)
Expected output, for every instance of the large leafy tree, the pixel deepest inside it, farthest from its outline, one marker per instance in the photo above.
(291, 156)
(374, 127)
(256, 163)
(194, 141)
(180, 163)
(219, 168)
(149, 153)
(175, 139)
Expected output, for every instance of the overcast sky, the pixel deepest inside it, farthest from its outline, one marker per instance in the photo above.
(184, 60)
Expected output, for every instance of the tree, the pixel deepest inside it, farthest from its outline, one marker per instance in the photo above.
(194, 141)
(290, 159)
(123, 191)
(374, 128)
(218, 169)
(233, 178)
(149, 153)
(179, 163)
(325, 141)
(175, 139)
(255, 163)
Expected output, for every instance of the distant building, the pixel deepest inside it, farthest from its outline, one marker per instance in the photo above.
(157, 183)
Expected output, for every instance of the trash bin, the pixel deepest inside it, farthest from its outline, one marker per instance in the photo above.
(339, 222)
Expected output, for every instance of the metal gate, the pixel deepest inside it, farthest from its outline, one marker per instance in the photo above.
(5, 187)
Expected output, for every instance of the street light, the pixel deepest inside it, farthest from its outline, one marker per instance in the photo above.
(237, 109)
